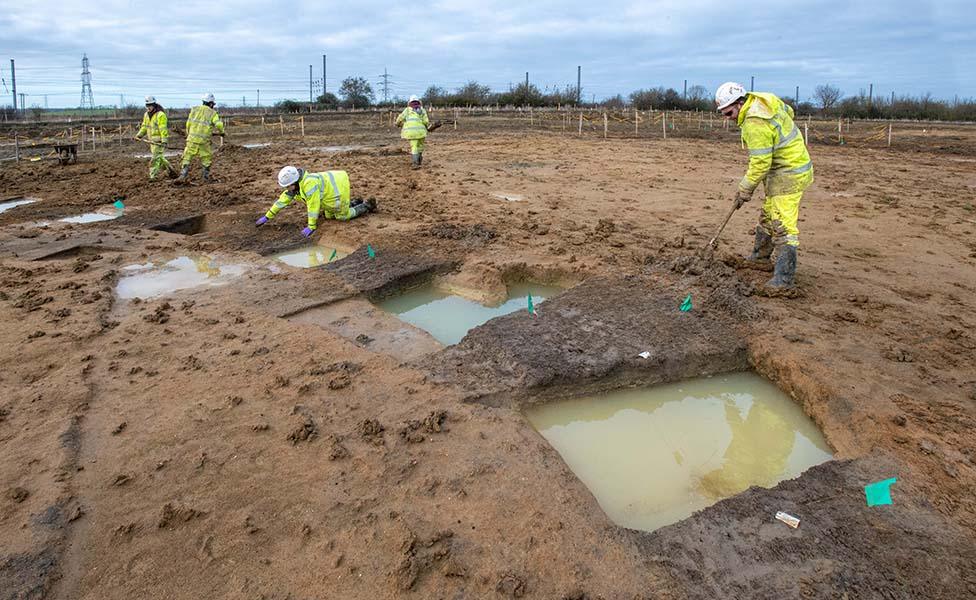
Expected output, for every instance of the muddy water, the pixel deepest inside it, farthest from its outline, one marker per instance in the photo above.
(158, 278)
(653, 456)
(5, 206)
(312, 256)
(448, 317)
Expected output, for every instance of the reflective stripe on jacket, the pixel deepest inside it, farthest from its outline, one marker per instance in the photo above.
(777, 154)
(157, 126)
(415, 123)
(324, 194)
(201, 123)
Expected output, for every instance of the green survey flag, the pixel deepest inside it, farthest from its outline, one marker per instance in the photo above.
(333, 255)
(118, 204)
(370, 251)
(531, 306)
(686, 305)
(879, 492)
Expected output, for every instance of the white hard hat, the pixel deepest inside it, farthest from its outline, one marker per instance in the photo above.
(287, 176)
(150, 99)
(413, 98)
(727, 93)
(208, 97)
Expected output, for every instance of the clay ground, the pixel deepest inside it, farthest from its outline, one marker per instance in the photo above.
(214, 445)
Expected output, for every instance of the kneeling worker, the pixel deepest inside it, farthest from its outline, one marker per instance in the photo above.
(325, 195)
(779, 160)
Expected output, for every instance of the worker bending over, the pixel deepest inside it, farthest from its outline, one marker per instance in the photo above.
(156, 125)
(779, 160)
(202, 123)
(413, 123)
(325, 194)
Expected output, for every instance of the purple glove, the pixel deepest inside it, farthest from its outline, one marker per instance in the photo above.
(261, 221)
(307, 231)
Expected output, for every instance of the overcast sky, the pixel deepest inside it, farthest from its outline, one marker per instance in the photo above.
(235, 47)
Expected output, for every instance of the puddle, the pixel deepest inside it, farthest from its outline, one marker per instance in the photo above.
(5, 206)
(653, 456)
(448, 317)
(509, 197)
(312, 256)
(252, 146)
(335, 149)
(152, 279)
(102, 214)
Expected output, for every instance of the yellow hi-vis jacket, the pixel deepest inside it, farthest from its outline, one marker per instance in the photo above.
(415, 123)
(324, 194)
(777, 154)
(201, 124)
(157, 126)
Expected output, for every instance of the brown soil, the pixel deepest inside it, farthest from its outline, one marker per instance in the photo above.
(218, 444)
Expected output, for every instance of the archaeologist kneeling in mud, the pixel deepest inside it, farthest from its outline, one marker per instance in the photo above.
(779, 160)
(326, 195)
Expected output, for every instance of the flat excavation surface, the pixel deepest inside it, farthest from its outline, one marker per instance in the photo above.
(265, 431)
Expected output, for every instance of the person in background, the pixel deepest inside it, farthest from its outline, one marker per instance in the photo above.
(156, 126)
(413, 123)
(201, 125)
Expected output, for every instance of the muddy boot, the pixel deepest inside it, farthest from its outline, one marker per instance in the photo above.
(206, 175)
(184, 174)
(370, 204)
(761, 252)
(785, 269)
(420, 159)
(173, 173)
(416, 161)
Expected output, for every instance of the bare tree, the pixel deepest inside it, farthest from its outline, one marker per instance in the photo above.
(827, 95)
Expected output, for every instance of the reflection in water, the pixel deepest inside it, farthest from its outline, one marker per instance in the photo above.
(158, 277)
(311, 256)
(653, 456)
(448, 317)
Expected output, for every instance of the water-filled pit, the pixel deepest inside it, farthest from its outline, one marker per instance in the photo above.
(159, 277)
(653, 456)
(448, 317)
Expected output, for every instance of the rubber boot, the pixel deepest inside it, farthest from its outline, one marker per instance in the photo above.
(785, 270)
(416, 161)
(173, 173)
(184, 174)
(359, 210)
(420, 158)
(763, 247)
(206, 175)
(370, 204)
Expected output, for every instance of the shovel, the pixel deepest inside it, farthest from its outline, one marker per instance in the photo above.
(151, 144)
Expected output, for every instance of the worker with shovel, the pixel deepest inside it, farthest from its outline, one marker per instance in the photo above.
(778, 159)
(202, 123)
(156, 125)
(325, 195)
(413, 123)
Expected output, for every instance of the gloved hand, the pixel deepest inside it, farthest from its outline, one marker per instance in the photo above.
(307, 231)
(741, 198)
(264, 219)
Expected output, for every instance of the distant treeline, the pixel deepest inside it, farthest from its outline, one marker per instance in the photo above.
(828, 101)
